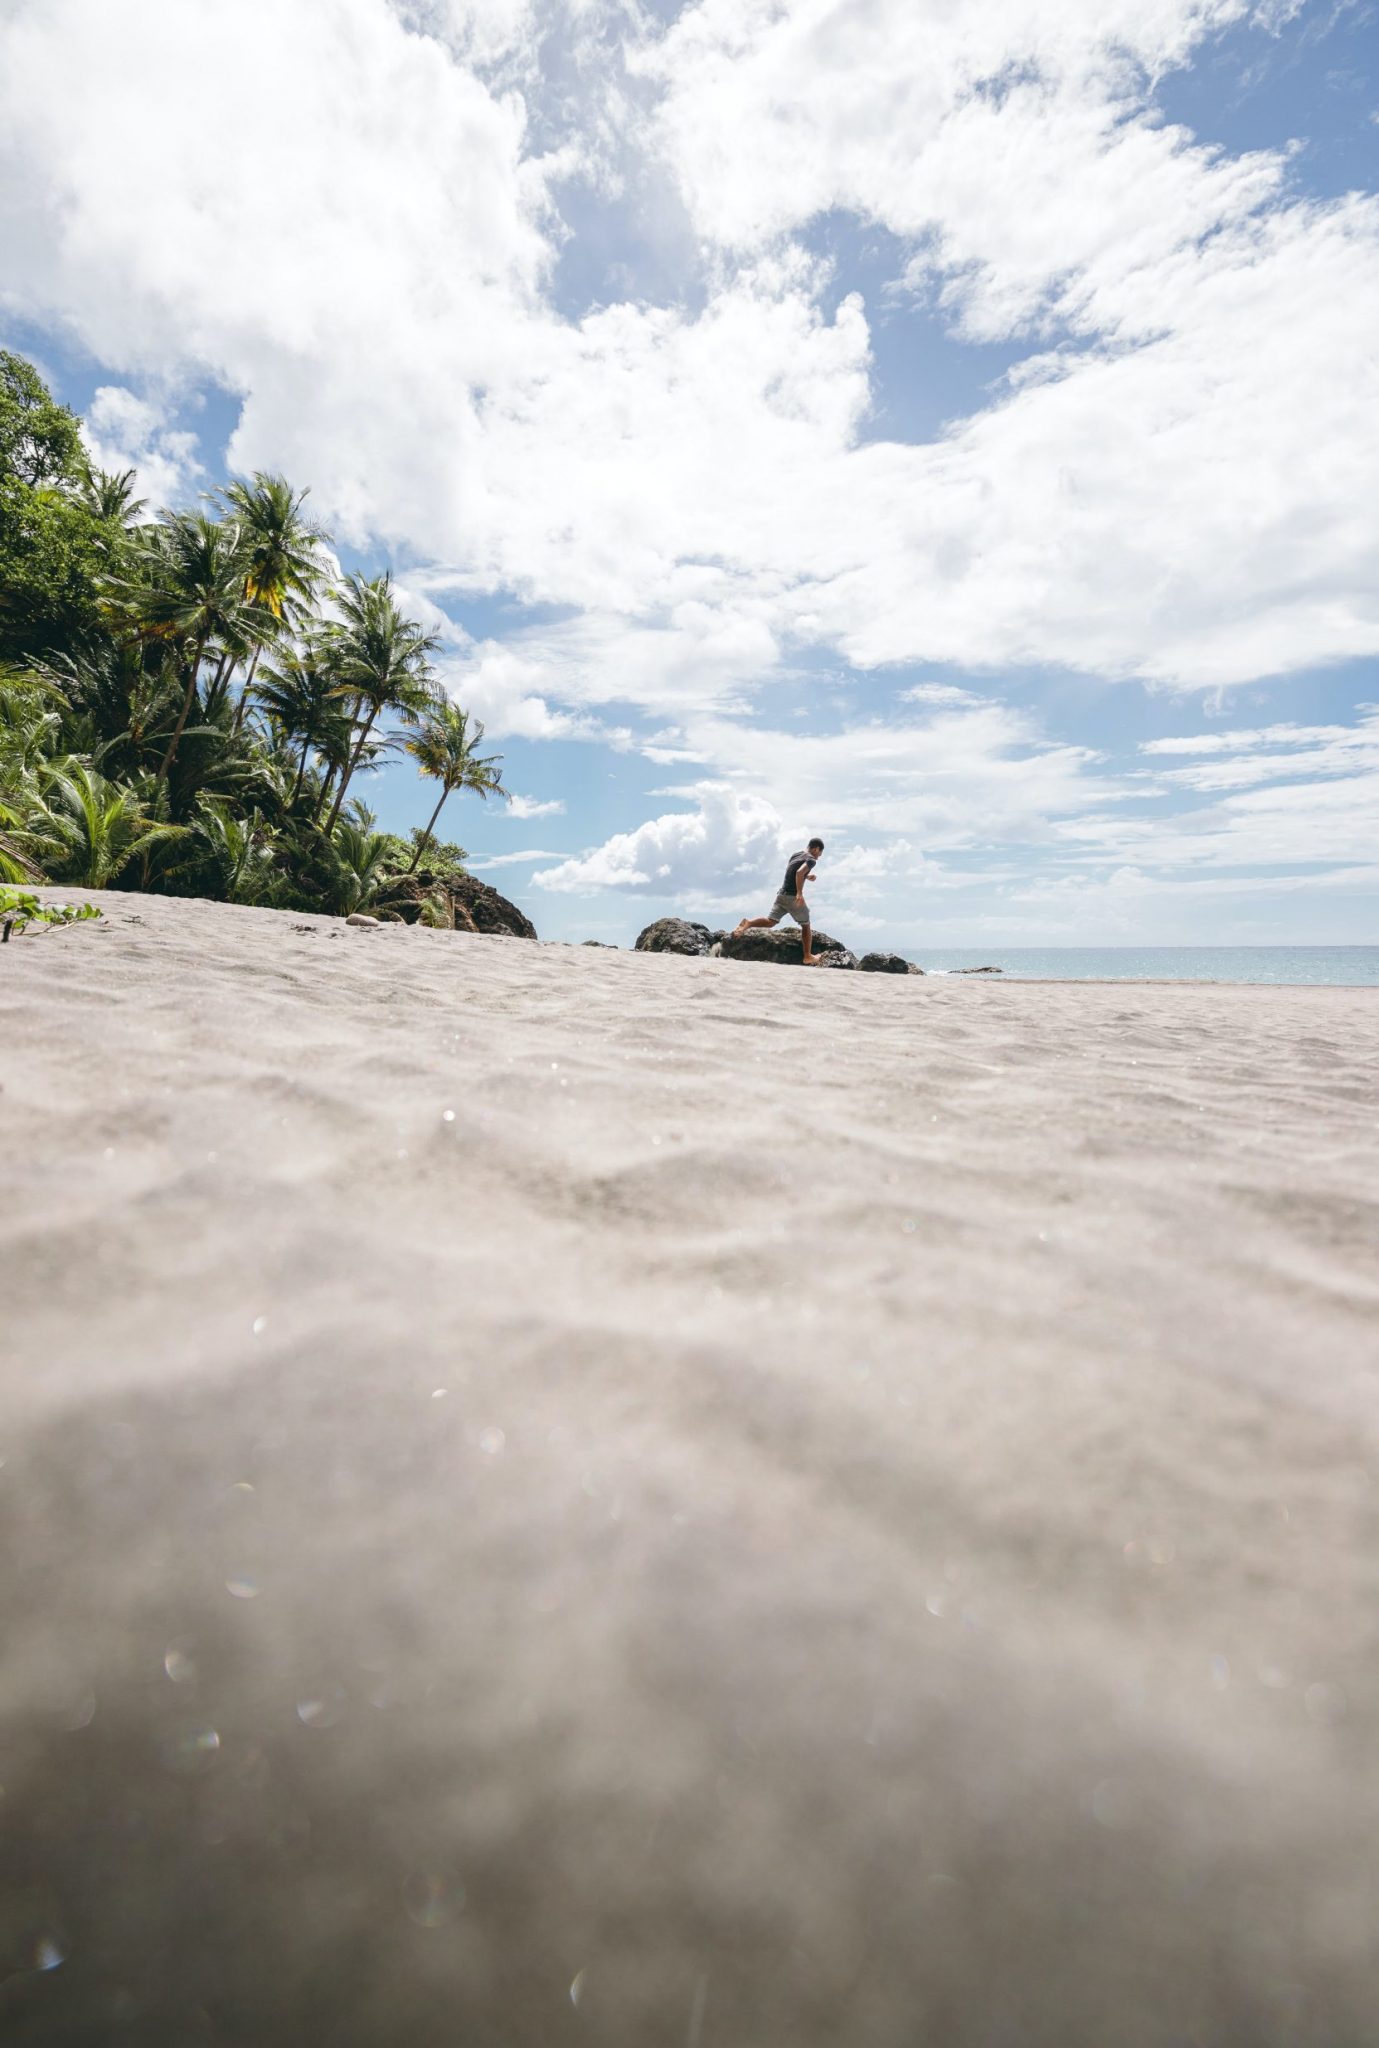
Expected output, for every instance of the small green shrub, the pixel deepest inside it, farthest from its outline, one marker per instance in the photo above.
(19, 909)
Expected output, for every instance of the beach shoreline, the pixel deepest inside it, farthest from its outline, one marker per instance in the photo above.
(557, 1489)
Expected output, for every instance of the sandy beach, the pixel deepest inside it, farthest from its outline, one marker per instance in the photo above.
(564, 1495)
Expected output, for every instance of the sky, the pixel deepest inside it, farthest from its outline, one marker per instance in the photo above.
(948, 427)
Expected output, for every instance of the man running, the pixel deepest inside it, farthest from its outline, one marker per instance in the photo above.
(790, 898)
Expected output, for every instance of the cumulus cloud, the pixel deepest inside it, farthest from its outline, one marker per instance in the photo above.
(1187, 495)
(958, 780)
(727, 840)
(123, 431)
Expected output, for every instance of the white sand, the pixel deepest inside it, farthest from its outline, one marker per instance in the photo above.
(810, 1509)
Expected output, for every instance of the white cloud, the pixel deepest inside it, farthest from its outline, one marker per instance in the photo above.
(1244, 740)
(1277, 753)
(965, 778)
(499, 683)
(1284, 795)
(123, 431)
(1009, 140)
(904, 808)
(533, 807)
(1190, 498)
(947, 695)
(959, 778)
(512, 860)
(729, 840)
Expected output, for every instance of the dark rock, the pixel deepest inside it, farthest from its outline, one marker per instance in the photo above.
(976, 970)
(914, 969)
(781, 944)
(838, 956)
(455, 902)
(674, 935)
(884, 963)
(605, 944)
(487, 911)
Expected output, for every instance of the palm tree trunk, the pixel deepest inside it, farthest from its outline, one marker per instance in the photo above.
(301, 773)
(348, 775)
(166, 763)
(411, 867)
(248, 686)
(324, 798)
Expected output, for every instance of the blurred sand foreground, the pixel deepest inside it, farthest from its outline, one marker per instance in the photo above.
(565, 1496)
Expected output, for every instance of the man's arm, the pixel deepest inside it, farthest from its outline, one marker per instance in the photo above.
(802, 875)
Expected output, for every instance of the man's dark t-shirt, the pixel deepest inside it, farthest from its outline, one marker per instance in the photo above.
(793, 876)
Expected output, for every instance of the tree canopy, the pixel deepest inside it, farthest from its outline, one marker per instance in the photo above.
(53, 538)
(188, 702)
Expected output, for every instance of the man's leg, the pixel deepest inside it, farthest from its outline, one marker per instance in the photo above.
(807, 940)
(749, 924)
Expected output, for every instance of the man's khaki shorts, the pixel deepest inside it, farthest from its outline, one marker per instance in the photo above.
(787, 905)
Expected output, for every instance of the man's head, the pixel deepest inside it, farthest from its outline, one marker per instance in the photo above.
(816, 847)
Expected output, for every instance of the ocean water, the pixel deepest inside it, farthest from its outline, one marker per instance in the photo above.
(1300, 966)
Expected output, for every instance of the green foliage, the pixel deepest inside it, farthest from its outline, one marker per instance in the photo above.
(53, 546)
(187, 705)
(381, 661)
(91, 829)
(361, 862)
(284, 565)
(19, 909)
(40, 440)
(446, 748)
(439, 857)
(111, 499)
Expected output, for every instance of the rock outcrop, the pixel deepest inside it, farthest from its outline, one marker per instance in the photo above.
(675, 935)
(489, 912)
(975, 970)
(779, 943)
(459, 903)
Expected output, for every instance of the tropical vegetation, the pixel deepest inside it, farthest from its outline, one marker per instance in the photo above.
(19, 908)
(191, 702)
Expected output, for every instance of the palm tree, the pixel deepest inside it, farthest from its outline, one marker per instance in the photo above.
(110, 498)
(284, 567)
(302, 698)
(29, 732)
(381, 661)
(92, 829)
(15, 864)
(240, 849)
(188, 589)
(361, 856)
(444, 746)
